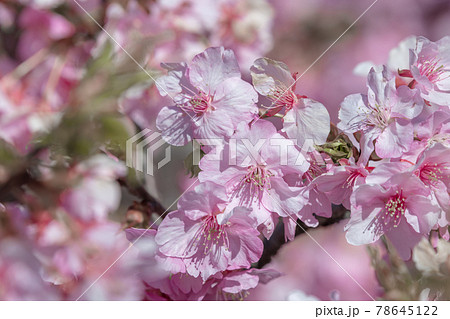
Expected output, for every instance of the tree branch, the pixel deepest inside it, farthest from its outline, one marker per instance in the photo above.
(272, 245)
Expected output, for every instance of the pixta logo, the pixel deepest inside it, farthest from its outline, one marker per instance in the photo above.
(141, 148)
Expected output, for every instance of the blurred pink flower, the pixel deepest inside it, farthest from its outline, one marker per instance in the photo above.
(142, 105)
(41, 28)
(102, 246)
(243, 26)
(6, 16)
(20, 116)
(20, 271)
(161, 283)
(167, 285)
(95, 192)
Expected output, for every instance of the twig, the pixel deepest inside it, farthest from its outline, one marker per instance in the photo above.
(148, 200)
(272, 245)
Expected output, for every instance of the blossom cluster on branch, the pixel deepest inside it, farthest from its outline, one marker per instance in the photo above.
(268, 155)
(395, 184)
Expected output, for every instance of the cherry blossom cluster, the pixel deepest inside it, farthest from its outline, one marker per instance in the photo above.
(245, 186)
(399, 184)
(394, 179)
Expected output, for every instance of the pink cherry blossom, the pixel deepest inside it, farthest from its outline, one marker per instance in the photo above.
(304, 119)
(210, 98)
(207, 239)
(178, 287)
(164, 285)
(383, 116)
(253, 168)
(394, 203)
(238, 284)
(227, 285)
(429, 129)
(433, 169)
(435, 129)
(318, 202)
(162, 281)
(339, 182)
(430, 68)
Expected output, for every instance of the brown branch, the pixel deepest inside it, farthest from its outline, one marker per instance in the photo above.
(140, 192)
(140, 213)
(272, 245)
